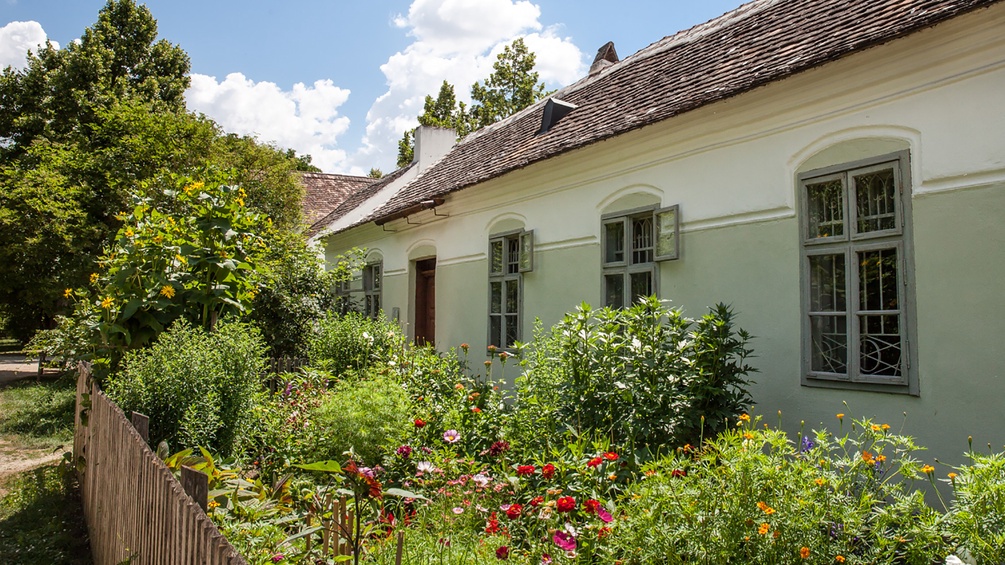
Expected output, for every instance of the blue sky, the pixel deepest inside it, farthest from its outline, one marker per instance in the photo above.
(341, 80)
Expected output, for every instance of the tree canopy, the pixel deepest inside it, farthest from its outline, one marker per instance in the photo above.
(86, 129)
(512, 86)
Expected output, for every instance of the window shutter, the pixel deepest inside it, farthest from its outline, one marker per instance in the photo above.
(667, 226)
(527, 251)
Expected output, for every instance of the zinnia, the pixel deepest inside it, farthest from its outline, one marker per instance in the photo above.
(525, 470)
(419, 422)
(611, 456)
(596, 461)
(502, 552)
(565, 504)
(564, 540)
(548, 471)
(513, 512)
(536, 501)
(451, 436)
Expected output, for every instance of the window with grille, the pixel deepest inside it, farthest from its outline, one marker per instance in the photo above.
(372, 279)
(510, 256)
(633, 242)
(856, 287)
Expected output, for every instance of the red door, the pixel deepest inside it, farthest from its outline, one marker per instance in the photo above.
(425, 302)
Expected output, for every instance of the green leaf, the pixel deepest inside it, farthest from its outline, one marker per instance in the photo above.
(328, 466)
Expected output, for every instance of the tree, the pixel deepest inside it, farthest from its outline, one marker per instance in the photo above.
(84, 130)
(375, 173)
(512, 86)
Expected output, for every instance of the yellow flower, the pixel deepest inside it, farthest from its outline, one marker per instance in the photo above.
(130, 232)
(107, 302)
(763, 529)
(745, 417)
(158, 239)
(927, 469)
(94, 278)
(880, 457)
(189, 189)
(952, 476)
(212, 504)
(180, 259)
(840, 416)
(804, 552)
(765, 508)
(68, 293)
(876, 427)
(748, 435)
(251, 295)
(167, 291)
(885, 427)
(820, 482)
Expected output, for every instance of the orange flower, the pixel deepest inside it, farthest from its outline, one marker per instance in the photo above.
(885, 427)
(952, 476)
(765, 508)
(839, 559)
(804, 552)
(880, 457)
(763, 529)
(745, 417)
(748, 435)
(840, 416)
(866, 456)
(820, 482)
(876, 427)
(927, 469)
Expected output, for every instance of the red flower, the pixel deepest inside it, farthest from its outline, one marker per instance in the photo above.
(678, 473)
(536, 501)
(596, 461)
(548, 471)
(611, 456)
(513, 512)
(603, 532)
(493, 525)
(565, 504)
(502, 553)
(498, 448)
(591, 506)
(419, 422)
(525, 470)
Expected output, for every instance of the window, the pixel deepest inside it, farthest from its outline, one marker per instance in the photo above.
(633, 242)
(371, 289)
(856, 288)
(510, 255)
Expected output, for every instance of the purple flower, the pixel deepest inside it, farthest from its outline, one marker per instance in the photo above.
(451, 436)
(405, 451)
(807, 444)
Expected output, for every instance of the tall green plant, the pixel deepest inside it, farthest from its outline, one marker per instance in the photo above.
(647, 376)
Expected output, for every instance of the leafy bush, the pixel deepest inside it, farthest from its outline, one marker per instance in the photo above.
(197, 387)
(754, 496)
(350, 343)
(648, 376)
(371, 417)
(977, 517)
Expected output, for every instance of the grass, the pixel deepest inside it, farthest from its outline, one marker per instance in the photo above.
(37, 415)
(41, 520)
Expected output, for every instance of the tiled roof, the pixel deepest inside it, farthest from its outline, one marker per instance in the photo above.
(760, 42)
(323, 192)
(352, 200)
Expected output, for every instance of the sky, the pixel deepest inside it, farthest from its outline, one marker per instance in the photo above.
(341, 80)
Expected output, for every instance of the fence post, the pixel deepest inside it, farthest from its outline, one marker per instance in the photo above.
(196, 485)
(142, 424)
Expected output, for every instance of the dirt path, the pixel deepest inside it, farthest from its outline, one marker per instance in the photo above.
(14, 367)
(23, 460)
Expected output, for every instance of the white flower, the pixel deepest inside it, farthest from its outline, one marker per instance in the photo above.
(425, 467)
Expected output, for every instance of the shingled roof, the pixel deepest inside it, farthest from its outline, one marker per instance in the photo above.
(758, 43)
(323, 192)
(352, 200)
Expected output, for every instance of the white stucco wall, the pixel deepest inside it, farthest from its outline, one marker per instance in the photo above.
(732, 168)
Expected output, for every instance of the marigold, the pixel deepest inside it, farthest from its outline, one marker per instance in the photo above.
(763, 529)
(820, 482)
(927, 469)
(876, 427)
(840, 416)
(839, 558)
(866, 456)
(804, 552)
(952, 476)
(880, 457)
(748, 435)
(167, 291)
(745, 417)
(765, 508)
(885, 426)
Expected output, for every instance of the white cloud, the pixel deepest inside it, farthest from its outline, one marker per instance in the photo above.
(456, 41)
(304, 118)
(16, 38)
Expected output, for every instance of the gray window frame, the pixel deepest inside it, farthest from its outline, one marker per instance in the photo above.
(524, 240)
(373, 285)
(849, 244)
(625, 267)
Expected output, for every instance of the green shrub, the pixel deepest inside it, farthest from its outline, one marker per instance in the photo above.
(977, 516)
(371, 417)
(754, 496)
(647, 376)
(197, 387)
(351, 343)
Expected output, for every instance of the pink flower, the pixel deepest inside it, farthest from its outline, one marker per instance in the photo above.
(502, 553)
(545, 559)
(278, 557)
(458, 510)
(404, 451)
(564, 540)
(604, 515)
(451, 436)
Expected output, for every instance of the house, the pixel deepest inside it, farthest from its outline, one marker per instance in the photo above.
(834, 170)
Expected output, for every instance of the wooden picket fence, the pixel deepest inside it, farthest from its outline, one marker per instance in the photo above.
(136, 511)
